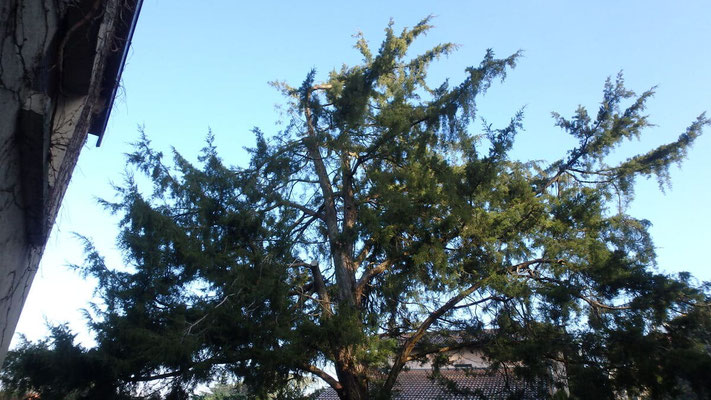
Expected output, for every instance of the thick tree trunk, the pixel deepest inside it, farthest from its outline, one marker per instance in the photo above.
(351, 375)
(355, 387)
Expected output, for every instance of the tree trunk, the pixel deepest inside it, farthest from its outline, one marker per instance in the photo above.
(354, 387)
(351, 376)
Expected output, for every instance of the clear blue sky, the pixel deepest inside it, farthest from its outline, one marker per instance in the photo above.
(200, 64)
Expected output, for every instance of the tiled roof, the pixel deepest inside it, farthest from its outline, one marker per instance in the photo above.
(473, 383)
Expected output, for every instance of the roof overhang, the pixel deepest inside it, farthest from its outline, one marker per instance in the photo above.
(114, 66)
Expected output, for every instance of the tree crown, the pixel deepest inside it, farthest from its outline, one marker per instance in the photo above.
(380, 218)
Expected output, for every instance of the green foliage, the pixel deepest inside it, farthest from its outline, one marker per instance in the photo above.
(224, 392)
(59, 369)
(238, 391)
(379, 219)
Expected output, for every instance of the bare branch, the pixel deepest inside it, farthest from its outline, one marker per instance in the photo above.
(363, 254)
(325, 376)
(188, 331)
(368, 275)
(320, 288)
(409, 344)
(301, 208)
(483, 300)
(302, 290)
(148, 378)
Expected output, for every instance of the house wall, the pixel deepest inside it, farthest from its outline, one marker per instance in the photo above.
(464, 356)
(52, 58)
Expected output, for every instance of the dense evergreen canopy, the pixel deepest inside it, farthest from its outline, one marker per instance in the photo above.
(379, 219)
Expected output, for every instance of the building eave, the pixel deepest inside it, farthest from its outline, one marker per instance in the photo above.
(114, 68)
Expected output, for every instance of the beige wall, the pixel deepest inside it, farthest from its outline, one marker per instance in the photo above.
(464, 356)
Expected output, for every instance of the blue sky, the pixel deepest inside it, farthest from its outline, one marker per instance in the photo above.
(207, 64)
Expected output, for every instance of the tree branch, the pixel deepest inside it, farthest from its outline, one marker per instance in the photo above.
(443, 349)
(409, 344)
(363, 254)
(592, 302)
(344, 277)
(368, 275)
(325, 376)
(322, 86)
(301, 208)
(155, 377)
(320, 288)
(576, 154)
(189, 330)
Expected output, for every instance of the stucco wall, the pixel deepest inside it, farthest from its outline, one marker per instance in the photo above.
(52, 58)
(27, 30)
(474, 359)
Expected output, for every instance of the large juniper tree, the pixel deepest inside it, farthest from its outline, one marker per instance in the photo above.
(381, 217)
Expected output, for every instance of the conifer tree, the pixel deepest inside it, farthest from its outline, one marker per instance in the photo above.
(381, 218)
